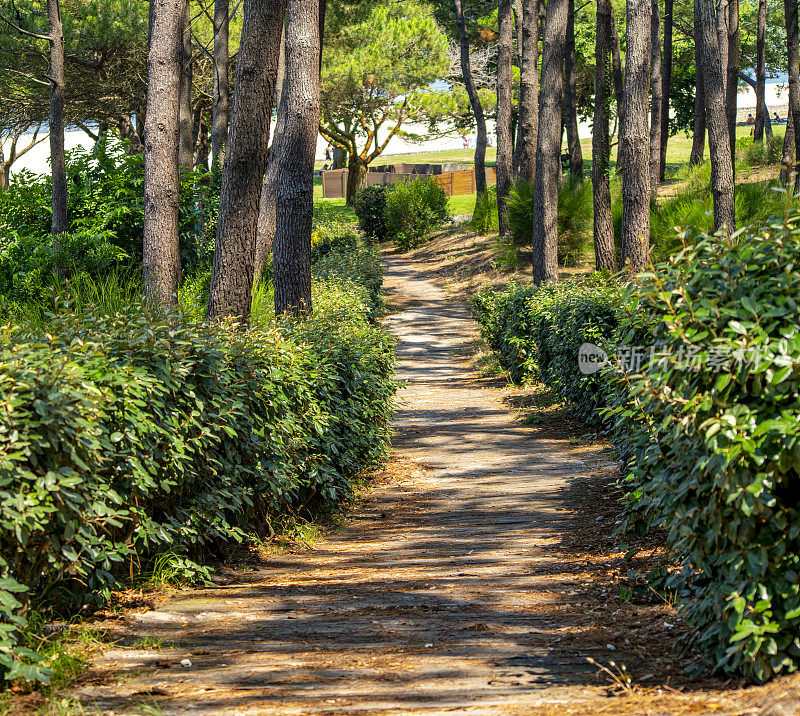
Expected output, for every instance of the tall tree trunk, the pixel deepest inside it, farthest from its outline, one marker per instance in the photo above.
(634, 139)
(474, 100)
(528, 127)
(548, 151)
(699, 127)
(619, 79)
(294, 188)
(722, 17)
(3, 168)
(763, 122)
(616, 61)
(570, 99)
(162, 261)
(201, 147)
(505, 148)
(787, 158)
(518, 14)
(793, 64)
(656, 102)
(604, 250)
(221, 92)
(719, 145)
(246, 159)
(186, 116)
(281, 72)
(732, 79)
(56, 121)
(666, 84)
(356, 175)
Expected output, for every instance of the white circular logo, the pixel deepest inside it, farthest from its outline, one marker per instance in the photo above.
(591, 358)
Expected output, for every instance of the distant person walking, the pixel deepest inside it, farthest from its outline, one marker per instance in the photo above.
(328, 152)
(465, 141)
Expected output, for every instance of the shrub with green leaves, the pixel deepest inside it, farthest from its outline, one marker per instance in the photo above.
(106, 220)
(714, 447)
(128, 435)
(536, 332)
(370, 208)
(414, 209)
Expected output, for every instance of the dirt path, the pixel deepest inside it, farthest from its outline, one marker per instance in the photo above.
(445, 592)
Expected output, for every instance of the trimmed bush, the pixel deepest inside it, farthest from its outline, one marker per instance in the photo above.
(414, 209)
(370, 208)
(128, 435)
(713, 447)
(536, 332)
(707, 427)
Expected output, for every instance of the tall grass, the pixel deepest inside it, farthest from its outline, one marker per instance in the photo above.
(484, 217)
(575, 218)
(85, 295)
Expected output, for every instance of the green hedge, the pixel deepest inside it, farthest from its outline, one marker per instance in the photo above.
(536, 332)
(125, 436)
(708, 428)
(713, 450)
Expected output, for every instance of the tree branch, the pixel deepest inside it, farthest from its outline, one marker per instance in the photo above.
(23, 31)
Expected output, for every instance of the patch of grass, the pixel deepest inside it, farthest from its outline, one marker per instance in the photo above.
(462, 204)
(149, 642)
(172, 569)
(66, 706)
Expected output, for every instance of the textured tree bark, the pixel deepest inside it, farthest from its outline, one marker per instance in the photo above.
(186, 116)
(793, 64)
(666, 83)
(246, 159)
(201, 147)
(722, 40)
(528, 127)
(505, 148)
(221, 92)
(616, 59)
(635, 140)
(356, 175)
(294, 187)
(619, 78)
(162, 263)
(699, 128)
(763, 123)
(732, 79)
(716, 120)
(656, 102)
(570, 99)
(518, 13)
(128, 131)
(548, 150)
(474, 101)
(604, 250)
(56, 121)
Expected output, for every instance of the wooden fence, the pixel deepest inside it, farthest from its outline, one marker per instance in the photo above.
(454, 182)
